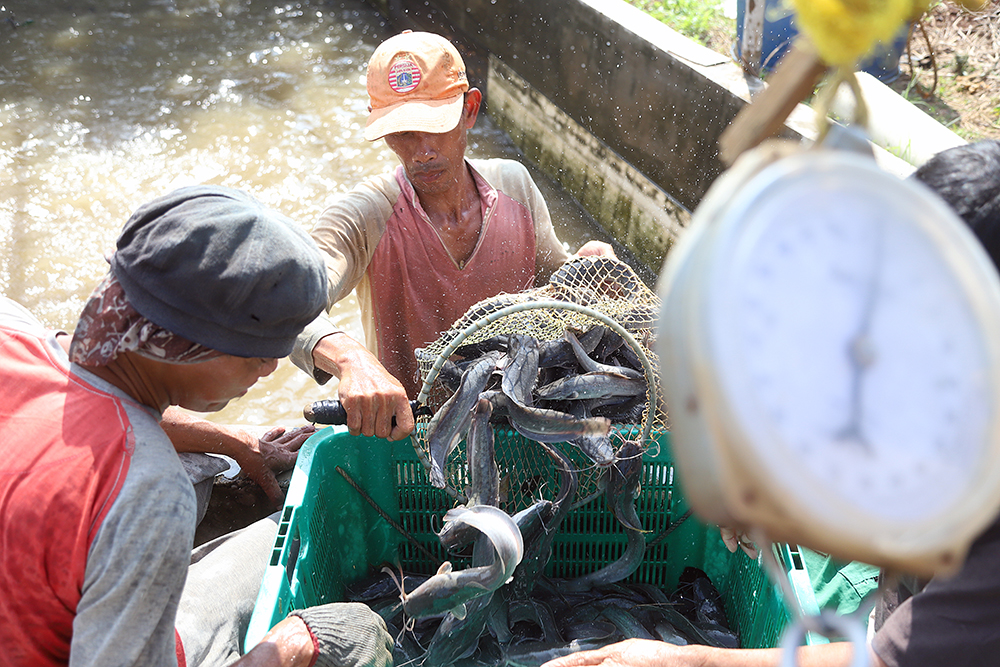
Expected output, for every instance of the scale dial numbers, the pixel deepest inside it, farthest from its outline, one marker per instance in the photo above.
(861, 352)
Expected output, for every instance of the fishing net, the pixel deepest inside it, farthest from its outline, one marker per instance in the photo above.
(584, 293)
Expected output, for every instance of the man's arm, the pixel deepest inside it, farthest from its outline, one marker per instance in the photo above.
(649, 653)
(371, 396)
(260, 458)
(347, 233)
(288, 644)
(549, 251)
(348, 634)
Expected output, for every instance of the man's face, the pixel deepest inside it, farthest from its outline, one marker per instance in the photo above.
(435, 162)
(208, 386)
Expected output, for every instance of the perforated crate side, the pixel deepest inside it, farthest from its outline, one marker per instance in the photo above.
(340, 538)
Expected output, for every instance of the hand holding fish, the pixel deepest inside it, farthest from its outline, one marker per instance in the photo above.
(369, 393)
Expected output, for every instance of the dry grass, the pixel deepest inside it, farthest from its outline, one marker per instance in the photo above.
(952, 69)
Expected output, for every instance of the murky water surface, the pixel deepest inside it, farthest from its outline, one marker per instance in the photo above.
(105, 104)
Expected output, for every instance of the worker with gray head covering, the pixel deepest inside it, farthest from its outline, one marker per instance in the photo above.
(206, 290)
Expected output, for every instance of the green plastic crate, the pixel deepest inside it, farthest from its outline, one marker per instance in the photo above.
(330, 536)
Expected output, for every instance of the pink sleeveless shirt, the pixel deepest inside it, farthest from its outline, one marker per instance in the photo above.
(418, 290)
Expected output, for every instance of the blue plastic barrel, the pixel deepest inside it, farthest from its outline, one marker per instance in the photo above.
(780, 30)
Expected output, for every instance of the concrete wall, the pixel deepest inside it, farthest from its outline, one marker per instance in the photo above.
(620, 109)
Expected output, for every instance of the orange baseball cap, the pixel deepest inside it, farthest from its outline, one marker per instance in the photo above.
(416, 83)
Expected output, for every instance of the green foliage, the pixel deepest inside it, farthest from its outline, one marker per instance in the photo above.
(701, 20)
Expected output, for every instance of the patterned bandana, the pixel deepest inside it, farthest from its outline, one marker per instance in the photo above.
(109, 325)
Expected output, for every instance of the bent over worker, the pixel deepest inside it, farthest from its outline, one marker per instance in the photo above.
(424, 243)
(97, 517)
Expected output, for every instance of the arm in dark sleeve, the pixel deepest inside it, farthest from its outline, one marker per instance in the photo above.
(953, 621)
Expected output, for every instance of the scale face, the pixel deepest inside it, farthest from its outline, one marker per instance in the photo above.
(830, 351)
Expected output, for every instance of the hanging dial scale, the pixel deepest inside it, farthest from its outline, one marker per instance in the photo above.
(830, 351)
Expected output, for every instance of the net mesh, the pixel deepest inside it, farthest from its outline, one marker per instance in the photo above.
(602, 286)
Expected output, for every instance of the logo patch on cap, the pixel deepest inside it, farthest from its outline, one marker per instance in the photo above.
(404, 76)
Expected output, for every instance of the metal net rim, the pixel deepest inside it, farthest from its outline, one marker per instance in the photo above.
(491, 318)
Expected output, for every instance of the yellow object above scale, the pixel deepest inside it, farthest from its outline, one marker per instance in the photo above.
(845, 31)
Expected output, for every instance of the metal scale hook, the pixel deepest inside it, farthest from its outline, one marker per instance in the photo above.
(827, 623)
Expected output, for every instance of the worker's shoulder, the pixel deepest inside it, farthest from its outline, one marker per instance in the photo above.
(498, 167)
(508, 176)
(384, 185)
(15, 316)
(373, 196)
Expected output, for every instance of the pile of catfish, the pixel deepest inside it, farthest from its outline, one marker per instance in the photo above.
(503, 610)
(506, 631)
(565, 390)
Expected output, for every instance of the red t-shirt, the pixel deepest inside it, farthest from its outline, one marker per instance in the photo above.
(65, 449)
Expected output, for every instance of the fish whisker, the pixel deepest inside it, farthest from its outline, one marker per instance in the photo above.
(592, 466)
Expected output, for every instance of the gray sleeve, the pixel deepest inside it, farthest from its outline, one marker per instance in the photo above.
(347, 233)
(17, 316)
(549, 251)
(349, 230)
(138, 560)
(306, 341)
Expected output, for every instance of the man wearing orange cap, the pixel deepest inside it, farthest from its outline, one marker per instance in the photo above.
(424, 243)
